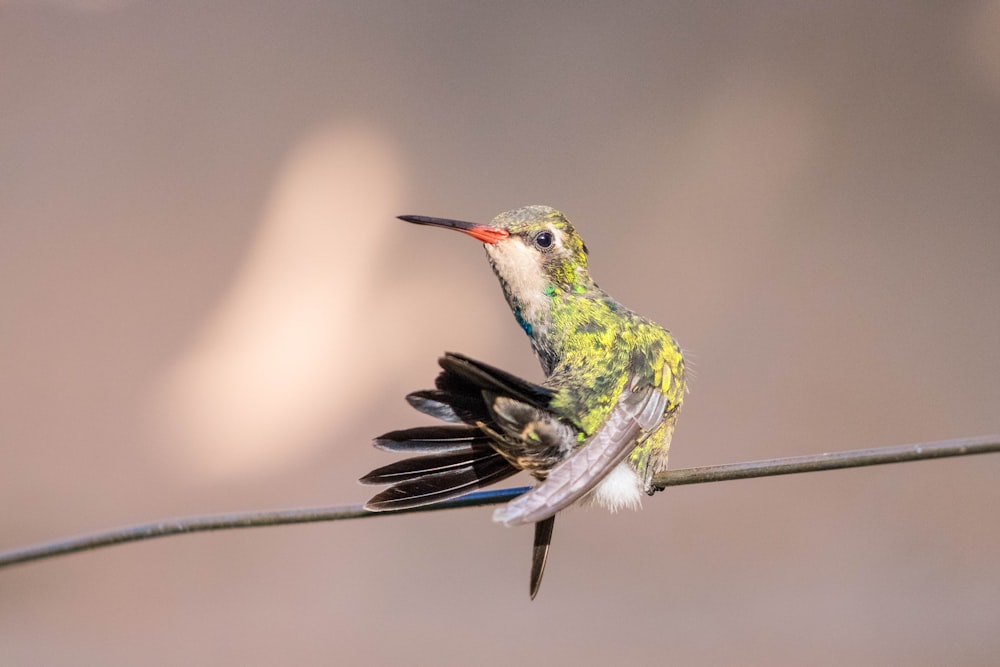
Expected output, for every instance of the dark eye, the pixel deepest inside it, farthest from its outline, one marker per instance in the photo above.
(543, 239)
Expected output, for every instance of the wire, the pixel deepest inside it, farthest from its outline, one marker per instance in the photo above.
(763, 468)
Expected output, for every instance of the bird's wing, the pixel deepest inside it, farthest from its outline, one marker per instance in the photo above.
(470, 373)
(458, 396)
(638, 412)
(455, 460)
(424, 480)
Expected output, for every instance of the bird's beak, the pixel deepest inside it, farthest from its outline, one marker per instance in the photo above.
(484, 233)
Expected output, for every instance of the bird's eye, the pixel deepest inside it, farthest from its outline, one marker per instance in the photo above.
(543, 239)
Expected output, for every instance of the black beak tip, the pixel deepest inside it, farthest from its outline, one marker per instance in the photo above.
(439, 222)
(412, 218)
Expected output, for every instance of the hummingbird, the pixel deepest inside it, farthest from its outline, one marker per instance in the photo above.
(597, 430)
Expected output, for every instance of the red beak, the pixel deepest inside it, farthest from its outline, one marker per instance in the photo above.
(484, 233)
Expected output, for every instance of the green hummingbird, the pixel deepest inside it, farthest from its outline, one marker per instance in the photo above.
(598, 428)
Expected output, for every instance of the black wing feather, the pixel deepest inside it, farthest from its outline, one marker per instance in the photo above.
(431, 439)
(422, 466)
(462, 374)
(435, 487)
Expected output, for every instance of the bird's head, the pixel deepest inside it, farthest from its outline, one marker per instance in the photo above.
(534, 251)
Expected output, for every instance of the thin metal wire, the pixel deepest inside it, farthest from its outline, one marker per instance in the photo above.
(763, 468)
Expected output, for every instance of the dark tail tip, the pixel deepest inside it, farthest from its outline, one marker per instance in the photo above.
(540, 552)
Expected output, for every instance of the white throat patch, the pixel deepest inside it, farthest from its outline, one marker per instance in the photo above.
(520, 267)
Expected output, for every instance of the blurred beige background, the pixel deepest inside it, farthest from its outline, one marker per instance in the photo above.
(207, 306)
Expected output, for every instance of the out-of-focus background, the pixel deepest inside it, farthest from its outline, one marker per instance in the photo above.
(206, 305)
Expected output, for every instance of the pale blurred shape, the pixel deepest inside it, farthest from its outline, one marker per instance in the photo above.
(980, 40)
(275, 367)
